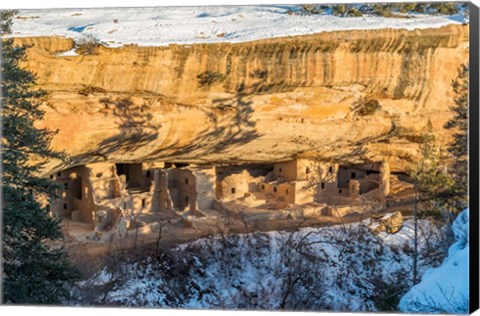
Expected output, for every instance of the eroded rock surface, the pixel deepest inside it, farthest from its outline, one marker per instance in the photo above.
(348, 96)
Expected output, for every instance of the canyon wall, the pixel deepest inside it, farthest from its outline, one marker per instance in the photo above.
(350, 96)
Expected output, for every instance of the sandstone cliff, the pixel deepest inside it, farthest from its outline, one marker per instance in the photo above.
(346, 95)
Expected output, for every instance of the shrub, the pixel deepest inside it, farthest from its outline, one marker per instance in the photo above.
(383, 10)
(88, 45)
(209, 78)
(420, 8)
(447, 8)
(354, 12)
(339, 9)
(310, 9)
(367, 107)
(407, 7)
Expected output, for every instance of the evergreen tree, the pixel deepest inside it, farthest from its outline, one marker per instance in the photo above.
(432, 187)
(459, 146)
(35, 266)
(432, 182)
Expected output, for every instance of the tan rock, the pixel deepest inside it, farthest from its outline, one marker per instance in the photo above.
(145, 103)
(392, 222)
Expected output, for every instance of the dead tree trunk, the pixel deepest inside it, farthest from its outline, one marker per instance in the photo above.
(415, 240)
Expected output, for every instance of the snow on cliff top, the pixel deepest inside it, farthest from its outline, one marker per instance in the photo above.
(161, 26)
(444, 289)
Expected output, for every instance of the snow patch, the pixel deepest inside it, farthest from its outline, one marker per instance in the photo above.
(67, 53)
(160, 26)
(444, 289)
(342, 267)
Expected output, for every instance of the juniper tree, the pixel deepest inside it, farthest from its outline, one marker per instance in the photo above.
(35, 267)
(459, 146)
(432, 186)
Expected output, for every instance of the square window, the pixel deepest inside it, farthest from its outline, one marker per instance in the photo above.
(322, 185)
(274, 189)
(65, 206)
(280, 170)
(149, 174)
(186, 180)
(233, 190)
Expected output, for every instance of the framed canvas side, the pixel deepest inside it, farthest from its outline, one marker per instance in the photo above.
(473, 156)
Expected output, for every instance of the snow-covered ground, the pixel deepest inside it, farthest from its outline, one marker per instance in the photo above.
(444, 289)
(335, 268)
(161, 26)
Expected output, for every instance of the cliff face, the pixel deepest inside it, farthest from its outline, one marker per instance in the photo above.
(348, 96)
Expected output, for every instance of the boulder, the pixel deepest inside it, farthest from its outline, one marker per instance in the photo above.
(392, 222)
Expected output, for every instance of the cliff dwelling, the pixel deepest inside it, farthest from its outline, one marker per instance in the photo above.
(104, 196)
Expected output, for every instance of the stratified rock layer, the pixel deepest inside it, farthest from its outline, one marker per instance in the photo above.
(350, 96)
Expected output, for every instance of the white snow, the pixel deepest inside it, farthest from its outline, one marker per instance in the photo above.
(251, 271)
(159, 26)
(71, 52)
(444, 289)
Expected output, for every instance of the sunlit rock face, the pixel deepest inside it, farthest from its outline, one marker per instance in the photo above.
(347, 96)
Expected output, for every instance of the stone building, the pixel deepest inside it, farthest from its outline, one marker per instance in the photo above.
(304, 181)
(99, 193)
(75, 195)
(185, 189)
